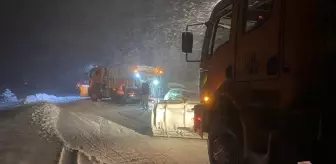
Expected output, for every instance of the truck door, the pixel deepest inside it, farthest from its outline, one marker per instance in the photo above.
(258, 41)
(256, 69)
(218, 63)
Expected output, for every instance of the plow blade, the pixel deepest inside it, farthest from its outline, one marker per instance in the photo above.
(174, 118)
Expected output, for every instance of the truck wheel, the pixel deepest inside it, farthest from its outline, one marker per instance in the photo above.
(223, 149)
(223, 146)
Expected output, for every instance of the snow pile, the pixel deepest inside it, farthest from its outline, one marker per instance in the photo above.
(42, 97)
(8, 96)
(45, 116)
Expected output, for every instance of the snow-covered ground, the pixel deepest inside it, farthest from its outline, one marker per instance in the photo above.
(87, 132)
(44, 132)
(20, 141)
(110, 134)
(10, 104)
(42, 97)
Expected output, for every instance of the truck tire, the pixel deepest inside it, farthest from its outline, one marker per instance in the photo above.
(222, 149)
(92, 93)
(222, 146)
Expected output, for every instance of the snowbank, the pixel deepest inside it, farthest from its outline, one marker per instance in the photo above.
(45, 116)
(9, 100)
(42, 97)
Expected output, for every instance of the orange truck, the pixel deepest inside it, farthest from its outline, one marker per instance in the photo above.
(111, 82)
(265, 81)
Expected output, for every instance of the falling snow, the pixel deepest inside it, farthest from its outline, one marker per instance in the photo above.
(154, 35)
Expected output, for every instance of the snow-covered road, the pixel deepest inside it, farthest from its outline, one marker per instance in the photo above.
(21, 142)
(120, 134)
(101, 132)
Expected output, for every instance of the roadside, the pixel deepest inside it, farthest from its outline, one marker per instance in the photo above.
(98, 132)
(20, 141)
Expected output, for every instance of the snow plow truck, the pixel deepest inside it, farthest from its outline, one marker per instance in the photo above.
(267, 82)
(112, 82)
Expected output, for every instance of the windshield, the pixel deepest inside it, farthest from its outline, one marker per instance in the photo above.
(224, 26)
(180, 94)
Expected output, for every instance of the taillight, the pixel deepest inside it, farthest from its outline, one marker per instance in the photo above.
(197, 123)
(119, 91)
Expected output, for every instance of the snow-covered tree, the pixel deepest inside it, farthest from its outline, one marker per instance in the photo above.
(7, 96)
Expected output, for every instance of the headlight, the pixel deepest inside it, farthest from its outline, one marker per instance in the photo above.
(156, 82)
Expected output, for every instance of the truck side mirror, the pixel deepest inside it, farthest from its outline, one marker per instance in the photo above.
(187, 42)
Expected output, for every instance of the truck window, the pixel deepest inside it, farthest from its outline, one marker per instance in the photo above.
(257, 13)
(222, 30)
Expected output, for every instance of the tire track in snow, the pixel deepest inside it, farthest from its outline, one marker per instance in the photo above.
(93, 135)
(106, 140)
(83, 134)
(117, 153)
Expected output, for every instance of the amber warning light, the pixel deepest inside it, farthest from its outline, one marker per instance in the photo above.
(206, 98)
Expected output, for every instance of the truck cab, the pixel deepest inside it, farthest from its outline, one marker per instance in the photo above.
(260, 80)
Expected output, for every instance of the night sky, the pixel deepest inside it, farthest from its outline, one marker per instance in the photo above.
(49, 43)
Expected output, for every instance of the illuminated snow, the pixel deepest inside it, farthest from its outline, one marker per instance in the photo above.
(42, 97)
(8, 97)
